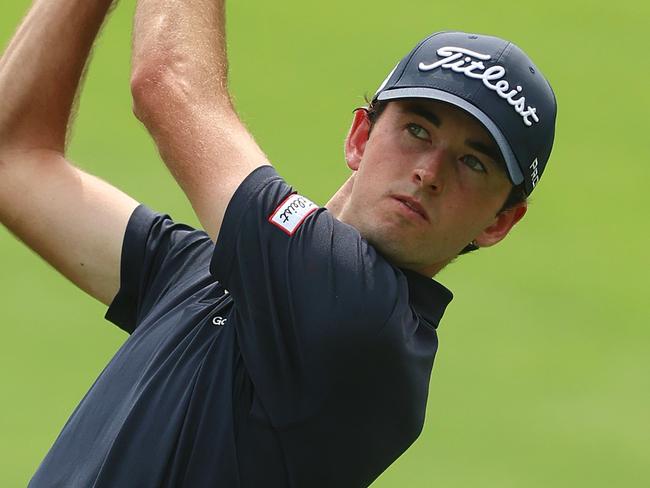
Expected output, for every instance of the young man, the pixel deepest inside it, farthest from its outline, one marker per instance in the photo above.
(296, 349)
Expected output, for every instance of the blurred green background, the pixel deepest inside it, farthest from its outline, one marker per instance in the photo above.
(542, 378)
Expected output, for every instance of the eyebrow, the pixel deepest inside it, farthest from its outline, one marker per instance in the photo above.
(424, 113)
(490, 150)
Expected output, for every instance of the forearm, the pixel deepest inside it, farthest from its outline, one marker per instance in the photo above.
(41, 69)
(180, 45)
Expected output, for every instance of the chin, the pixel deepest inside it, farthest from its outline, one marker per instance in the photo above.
(407, 257)
(403, 252)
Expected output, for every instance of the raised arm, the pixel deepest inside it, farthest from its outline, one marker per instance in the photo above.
(180, 92)
(72, 219)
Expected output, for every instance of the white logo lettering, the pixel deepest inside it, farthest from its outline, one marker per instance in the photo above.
(219, 321)
(535, 175)
(470, 63)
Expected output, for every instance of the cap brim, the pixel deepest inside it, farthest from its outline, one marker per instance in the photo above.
(509, 158)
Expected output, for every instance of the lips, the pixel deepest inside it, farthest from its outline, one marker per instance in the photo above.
(412, 204)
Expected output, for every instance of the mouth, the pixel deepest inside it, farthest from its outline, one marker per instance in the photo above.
(412, 206)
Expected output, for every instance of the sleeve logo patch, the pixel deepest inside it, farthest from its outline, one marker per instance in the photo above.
(292, 212)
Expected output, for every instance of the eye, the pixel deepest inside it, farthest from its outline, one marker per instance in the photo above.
(418, 131)
(474, 163)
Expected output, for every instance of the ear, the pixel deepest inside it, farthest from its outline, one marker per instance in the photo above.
(503, 222)
(355, 143)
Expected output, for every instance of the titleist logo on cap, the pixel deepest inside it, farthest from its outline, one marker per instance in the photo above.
(470, 63)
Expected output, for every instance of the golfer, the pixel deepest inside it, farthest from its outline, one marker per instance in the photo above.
(285, 344)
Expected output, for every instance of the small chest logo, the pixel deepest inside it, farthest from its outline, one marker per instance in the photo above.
(219, 321)
(292, 212)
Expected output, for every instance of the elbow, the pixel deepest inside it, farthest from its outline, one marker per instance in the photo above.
(162, 92)
(162, 87)
(153, 90)
(139, 94)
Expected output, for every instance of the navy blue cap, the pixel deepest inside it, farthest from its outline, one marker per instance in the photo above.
(493, 80)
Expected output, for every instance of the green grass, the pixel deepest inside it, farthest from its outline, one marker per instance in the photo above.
(542, 377)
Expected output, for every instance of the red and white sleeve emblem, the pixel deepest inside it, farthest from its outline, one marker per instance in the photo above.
(292, 212)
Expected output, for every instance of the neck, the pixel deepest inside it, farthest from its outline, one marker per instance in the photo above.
(336, 205)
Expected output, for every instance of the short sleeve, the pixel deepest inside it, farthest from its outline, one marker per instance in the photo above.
(315, 303)
(160, 258)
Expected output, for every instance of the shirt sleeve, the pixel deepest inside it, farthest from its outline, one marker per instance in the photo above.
(159, 258)
(320, 314)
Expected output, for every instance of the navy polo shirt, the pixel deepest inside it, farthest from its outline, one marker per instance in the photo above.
(288, 354)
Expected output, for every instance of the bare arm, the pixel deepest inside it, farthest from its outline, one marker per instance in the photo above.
(180, 92)
(72, 219)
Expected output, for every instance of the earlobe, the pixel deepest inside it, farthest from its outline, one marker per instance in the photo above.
(355, 143)
(502, 225)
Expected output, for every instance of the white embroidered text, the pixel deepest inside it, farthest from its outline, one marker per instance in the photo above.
(470, 63)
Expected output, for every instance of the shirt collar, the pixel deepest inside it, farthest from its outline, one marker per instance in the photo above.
(428, 297)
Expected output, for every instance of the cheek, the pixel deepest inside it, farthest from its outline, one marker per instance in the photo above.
(467, 216)
(483, 198)
(388, 146)
(374, 176)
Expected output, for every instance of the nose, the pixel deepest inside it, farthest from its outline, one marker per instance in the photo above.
(429, 172)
